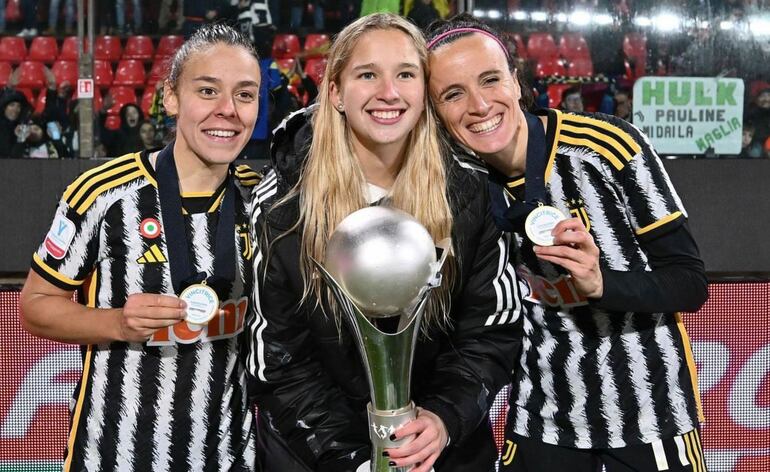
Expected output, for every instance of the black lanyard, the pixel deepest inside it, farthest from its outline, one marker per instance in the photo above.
(511, 218)
(182, 271)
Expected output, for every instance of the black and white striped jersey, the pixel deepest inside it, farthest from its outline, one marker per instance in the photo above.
(588, 377)
(178, 401)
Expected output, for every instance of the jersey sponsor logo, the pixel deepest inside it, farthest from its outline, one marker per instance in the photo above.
(578, 210)
(152, 255)
(149, 228)
(59, 237)
(560, 292)
(228, 325)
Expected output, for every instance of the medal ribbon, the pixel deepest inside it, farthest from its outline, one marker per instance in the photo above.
(511, 218)
(182, 270)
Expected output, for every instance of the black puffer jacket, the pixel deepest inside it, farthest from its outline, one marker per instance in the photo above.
(307, 377)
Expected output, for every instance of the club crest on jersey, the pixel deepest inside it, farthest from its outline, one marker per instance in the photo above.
(243, 233)
(149, 228)
(59, 237)
(578, 210)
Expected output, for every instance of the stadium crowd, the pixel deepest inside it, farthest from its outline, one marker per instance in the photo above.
(579, 73)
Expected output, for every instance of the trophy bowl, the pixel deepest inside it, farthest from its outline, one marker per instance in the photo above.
(383, 258)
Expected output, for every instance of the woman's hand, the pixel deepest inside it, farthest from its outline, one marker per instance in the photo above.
(145, 313)
(575, 250)
(430, 439)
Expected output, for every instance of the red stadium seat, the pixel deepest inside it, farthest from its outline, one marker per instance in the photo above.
(315, 68)
(635, 45)
(39, 104)
(103, 76)
(97, 98)
(581, 66)
(139, 48)
(285, 45)
(13, 49)
(316, 45)
(28, 94)
(69, 49)
(107, 48)
(122, 96)
(548, 67)
(43, 49)
(555, 94)
(5, 72)
(541, 45)
(168, 45)
(159, 71)
(130, 73)
(573, 46)
(146, 102)
(65, 71)
(31, 75)
(112, 122)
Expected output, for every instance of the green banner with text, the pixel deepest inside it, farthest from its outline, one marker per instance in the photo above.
(690, 115)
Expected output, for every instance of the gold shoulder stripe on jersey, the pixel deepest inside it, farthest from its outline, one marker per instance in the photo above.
(603, 151)
(86, 177)
(82, 206)
(53, 273)
(598, 137)
(98, 180)
(666, 219)
(613, 131)
(152, 255)
(554, 146)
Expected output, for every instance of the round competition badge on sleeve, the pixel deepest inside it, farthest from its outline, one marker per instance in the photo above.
(540, 222)
(202, 303)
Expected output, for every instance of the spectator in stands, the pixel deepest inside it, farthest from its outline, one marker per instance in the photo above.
(29, 18)
(147, 136)
(298, 7)
(59, 100)
(622, 101)
(53, 17)
(164, 16)
(572, 100)
(423, 13)
(35, 141)
(126, 139)
(750, 148)
(15, 109)
(120, 16)
(759, 114)
(198, 12)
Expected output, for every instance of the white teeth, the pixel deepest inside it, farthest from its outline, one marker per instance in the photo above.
(386, 115)
(220, 133)
(486, 125)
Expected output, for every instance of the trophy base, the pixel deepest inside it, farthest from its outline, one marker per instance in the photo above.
(367, 467)
(383, 423)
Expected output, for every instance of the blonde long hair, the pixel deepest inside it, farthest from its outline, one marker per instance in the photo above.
(332, 185)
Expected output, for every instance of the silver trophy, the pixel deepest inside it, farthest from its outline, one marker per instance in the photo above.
(381, 265)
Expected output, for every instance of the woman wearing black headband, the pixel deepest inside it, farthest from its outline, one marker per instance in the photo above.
(606, 375)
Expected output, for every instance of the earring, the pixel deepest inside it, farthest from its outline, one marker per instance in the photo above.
(340, 106)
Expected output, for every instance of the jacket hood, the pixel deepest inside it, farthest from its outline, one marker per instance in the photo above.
(13, 96)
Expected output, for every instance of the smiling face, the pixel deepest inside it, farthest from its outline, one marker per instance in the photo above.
(215, 103)
(476, 96)
(381, 90)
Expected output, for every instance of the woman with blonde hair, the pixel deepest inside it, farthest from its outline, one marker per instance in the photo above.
(372, 140)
